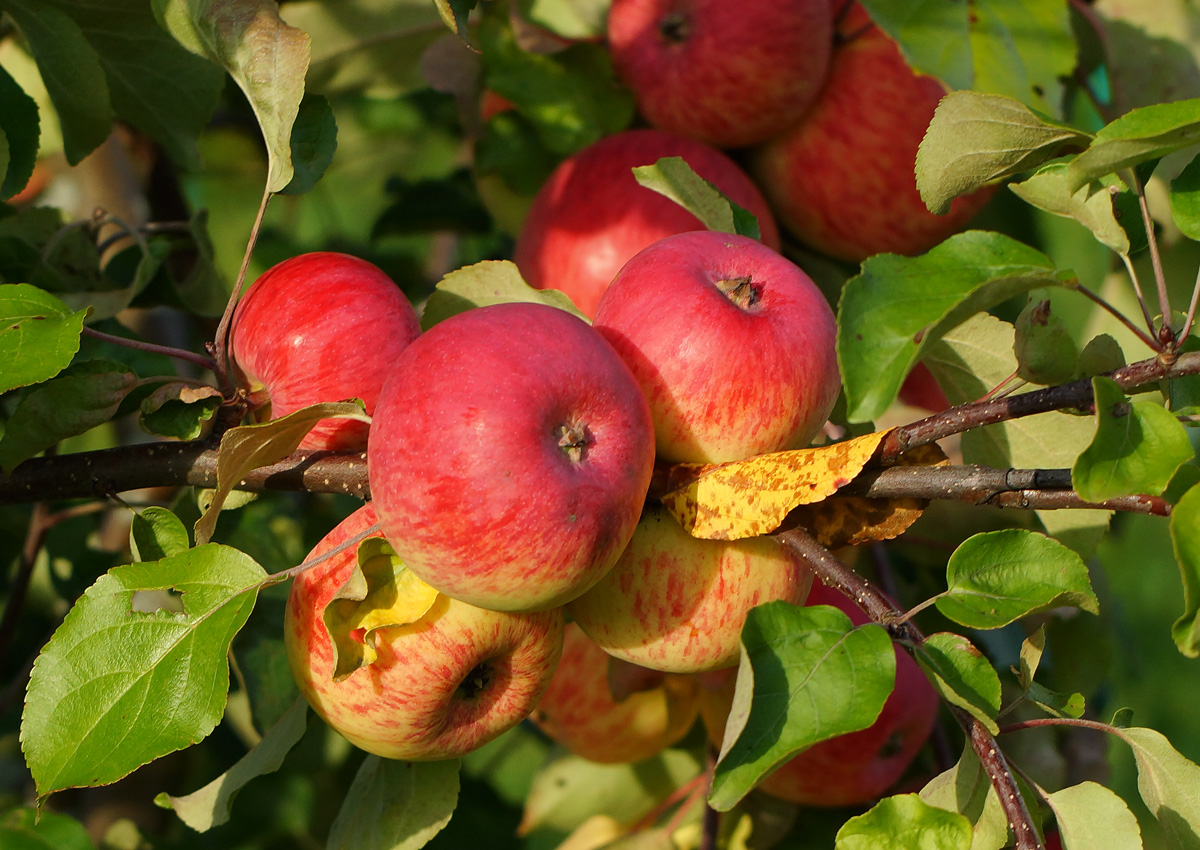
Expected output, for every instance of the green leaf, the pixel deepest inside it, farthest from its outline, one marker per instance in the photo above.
(1185, 520)
(487, 282)
(266, 58)
(156, 533)
(1137, 136)
(966, 789)
(1090, 815)
(1185, 200)
(1006, 47)
(93, 714)
(1054, 703)
(395, 805)
(248, 447)
(314, 141)
(897, 306)
(81, 397)
(26, 828)
(962, 675)
(38, 335)
(454, 14)
(903, 822)
(1101, 354)
(1169, 785)
(571, 19)
(212, 804)
(673, 177)
(1137, 448)
(806, 675)
(179, 409)
(1090, 205)
(997, 577)
(19, 125)
(976, 138)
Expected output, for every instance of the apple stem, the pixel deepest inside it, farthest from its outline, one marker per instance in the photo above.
(573, 440)
(177, 353)
(740, 291)
(221, 338)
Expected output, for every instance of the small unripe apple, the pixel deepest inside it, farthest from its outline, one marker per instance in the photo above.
(320, 327)
(440, 686)
(733, 345)
(729, 74)
(592, 215)
(580, 711)
(510, 457)
(676, 603)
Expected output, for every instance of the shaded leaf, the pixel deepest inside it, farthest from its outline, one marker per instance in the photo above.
(454, 14)
(1045, 351)
(313, 143)
(977, 138)
(180, 410)
(1137, 447)
(962, 675)
(93, 715)
(27, 828)
(1090, 205)
(487, 282)
(1054, 703)
(19, 125)
(1090, 815)
(156, 533)
(1138, 136)
(903, 822)
(395, 805)
(212, 804)
(897, 306)
(1169, 785)
(966, 789)
(1185, 520)
(1185, 200)
(806, 675)
(672, 177)
(38, 335)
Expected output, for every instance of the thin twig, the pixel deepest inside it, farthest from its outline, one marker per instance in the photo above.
(1121, 317)
(998, 771)
(292, 572)
(1160, 278)
(1141, 296)
(221, 339)
(177, 353)
(1191, 313)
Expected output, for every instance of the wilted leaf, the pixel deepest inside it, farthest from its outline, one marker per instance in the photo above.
(966, 789)
(1137, 448)
(672, 177)
(19, 124)
(1185, 520)
(93, 715)
(1090, 815)
(395, 805)
(156, 533)
(1169, 785)
(977, 138)
(746, 498)
(903, 822)
(212, 804)
(962, 675)
(38, 335)
(380, 592)
(1138, 136)
(806, 675)
(487, 282)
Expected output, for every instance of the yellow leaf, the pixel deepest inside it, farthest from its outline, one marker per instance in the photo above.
(381, 592)
(746, 498)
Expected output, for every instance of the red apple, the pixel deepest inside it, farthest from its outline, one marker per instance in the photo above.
(510, 456)
(729, 74)
(841, 179)
(439, 687)
(677, 603)
(854, 768)
(592, 215)
(320, 327)
(920, 389)
(733, 345)
(579, 710)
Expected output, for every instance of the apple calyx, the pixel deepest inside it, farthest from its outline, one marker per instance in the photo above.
(475, 682)
(675, 27)
(741, 291)
(574, 439)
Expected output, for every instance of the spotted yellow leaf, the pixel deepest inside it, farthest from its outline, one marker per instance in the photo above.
(380, 592)
(746, 498)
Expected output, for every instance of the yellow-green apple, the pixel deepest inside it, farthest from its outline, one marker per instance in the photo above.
(592, 215)
(849, 769)
(320, 327)
(446, 679)
(841, 179)
(580, 711)
(510, 456)
(729, 74)
(733, 345)
(676, 603)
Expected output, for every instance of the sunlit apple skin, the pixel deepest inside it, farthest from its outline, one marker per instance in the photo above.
(591, 214)
(733, 345)
(841, 179)
(415, 702)
(321, 327)
(729, 74)
(579, 711)
(850, 769)
(471, 463)
(677, 603)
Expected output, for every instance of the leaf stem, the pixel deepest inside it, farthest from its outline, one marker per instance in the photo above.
(221, 338)
(1141, 296)
(1191, 313)
(283, 575)
(1150, 341)
(1160, 278)
(177, 353)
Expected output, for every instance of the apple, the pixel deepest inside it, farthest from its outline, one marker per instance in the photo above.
(439, 687)
(841, 179)
(580, 711)
(921, 389)
(320, 327)
(592, 215)
(733, 345)
(510, 455)
(849, 769)
(676, 603)
(729, 74)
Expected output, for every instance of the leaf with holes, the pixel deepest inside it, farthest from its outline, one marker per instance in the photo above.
(117, 686)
